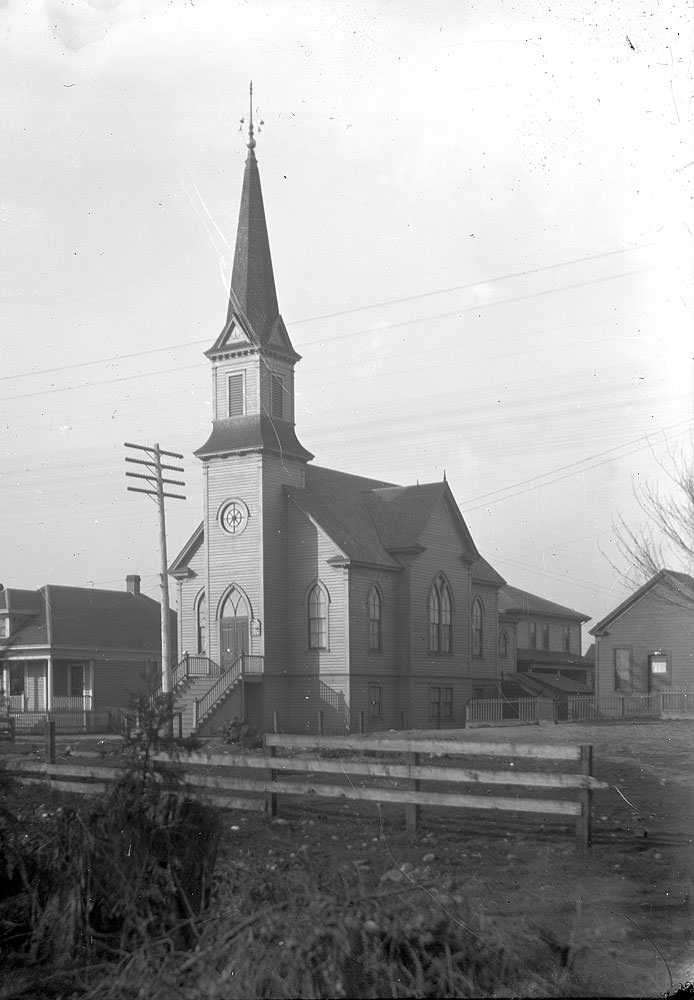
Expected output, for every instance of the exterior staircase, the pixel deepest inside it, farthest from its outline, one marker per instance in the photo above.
(200, 686)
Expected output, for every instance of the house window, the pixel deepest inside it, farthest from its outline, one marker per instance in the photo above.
(532, 635)
(375, 701)
(622, 669)
(477, 619)
(447, 704)
(440, 610)
(545, 636)
(317, 618)
(277, 401)
(659, 668)
(202, 625)
(375, 610)
(3, 628)
(237, 395)
(503, 645)
(68, 680)
(567, 638)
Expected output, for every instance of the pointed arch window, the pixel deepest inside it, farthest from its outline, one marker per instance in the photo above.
(440, 613)
(317, 618)
(201, 625)
(477, 621)
(503, 645)
(375, 616)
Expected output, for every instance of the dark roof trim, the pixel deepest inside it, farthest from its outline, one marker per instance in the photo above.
(180, 563)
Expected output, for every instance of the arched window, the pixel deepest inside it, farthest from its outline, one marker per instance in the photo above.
(375, 613)
(440, 612)
(477, 619)
(317, 618)
(503, 644)
(201, 618)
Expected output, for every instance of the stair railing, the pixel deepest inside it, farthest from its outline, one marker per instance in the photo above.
(243, 664)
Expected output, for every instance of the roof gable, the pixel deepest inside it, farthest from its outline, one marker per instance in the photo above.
(680, 584)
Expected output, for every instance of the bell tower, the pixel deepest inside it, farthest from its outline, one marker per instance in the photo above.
(252, 452)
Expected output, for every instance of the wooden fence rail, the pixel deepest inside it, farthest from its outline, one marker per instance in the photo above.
(410, 772)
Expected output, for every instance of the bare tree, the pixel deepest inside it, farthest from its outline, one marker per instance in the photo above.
(666, 540)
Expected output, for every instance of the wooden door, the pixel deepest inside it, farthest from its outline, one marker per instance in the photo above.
(233, 640)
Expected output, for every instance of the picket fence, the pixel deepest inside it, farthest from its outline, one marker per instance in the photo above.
(574, 708)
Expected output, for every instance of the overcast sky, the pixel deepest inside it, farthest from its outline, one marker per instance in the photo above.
(481, 229)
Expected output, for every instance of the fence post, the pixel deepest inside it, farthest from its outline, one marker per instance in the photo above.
(275, 722)
(49, 732)
(320, 722)
(412, 810)
(270, 778)
(584, 821)
(361, 723)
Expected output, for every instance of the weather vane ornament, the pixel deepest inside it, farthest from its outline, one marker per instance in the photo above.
(251, 129)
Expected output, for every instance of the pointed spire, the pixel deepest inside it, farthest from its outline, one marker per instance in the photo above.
(252, 279)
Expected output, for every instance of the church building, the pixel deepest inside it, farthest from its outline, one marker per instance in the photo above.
(309, 599)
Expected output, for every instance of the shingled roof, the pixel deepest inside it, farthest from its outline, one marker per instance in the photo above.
(86, 618)
(513, 601)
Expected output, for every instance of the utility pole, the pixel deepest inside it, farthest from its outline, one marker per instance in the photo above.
(157, 483)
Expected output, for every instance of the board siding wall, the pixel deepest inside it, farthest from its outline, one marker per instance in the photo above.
(443, 552)
(485, 669)
(234, 558)
(188, 592)
(653, 623)
(368, 666)
(117, 681)
(556, 633)
(309, 549)
(220, 381)
(277, 473)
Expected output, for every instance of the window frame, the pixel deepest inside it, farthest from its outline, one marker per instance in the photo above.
(532, 634)
(477, 628)
(201, 628)
(318, 608)
(503, 644)
(620, 683)
(374, 605)
(232, 376)
(440, 617)
(544, 631)
(566, 639)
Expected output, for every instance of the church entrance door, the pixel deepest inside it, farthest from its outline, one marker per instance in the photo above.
(234, 639)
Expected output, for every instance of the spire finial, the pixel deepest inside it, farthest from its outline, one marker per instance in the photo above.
(251, 140)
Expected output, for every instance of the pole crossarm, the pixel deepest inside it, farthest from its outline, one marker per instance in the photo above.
(154, 478)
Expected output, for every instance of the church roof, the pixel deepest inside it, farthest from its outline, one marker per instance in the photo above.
(337, 501)
(253, 306)
(484, 572)
(513, 601)
(253, 433)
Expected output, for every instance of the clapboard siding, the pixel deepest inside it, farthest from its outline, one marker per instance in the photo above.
(443, 554)
(309, 550)
(220, 381)
(653, 623)
(188, 592)
(277, 473)
(286, 372)
(484, 668)
(234, 559)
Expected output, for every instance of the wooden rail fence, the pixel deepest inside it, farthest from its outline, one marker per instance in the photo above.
(411, 772)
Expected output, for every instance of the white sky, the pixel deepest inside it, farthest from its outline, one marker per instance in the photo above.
(481, 225)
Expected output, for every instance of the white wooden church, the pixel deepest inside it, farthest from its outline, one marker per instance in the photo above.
(311, 599)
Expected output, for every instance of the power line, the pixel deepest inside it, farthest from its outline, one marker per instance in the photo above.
(346, 312)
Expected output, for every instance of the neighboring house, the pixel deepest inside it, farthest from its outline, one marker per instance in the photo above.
(646, 644)
(546, 640)
(78, 650)
(312, 599)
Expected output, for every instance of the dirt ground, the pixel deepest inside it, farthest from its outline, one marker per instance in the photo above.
(618, 919)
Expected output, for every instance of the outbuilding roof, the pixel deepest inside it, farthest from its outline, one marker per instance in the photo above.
(679, 584)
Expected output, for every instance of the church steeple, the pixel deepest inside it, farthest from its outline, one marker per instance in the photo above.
(252, 296)
(253, 358)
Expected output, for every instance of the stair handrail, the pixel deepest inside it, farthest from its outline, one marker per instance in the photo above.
(226, 681)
